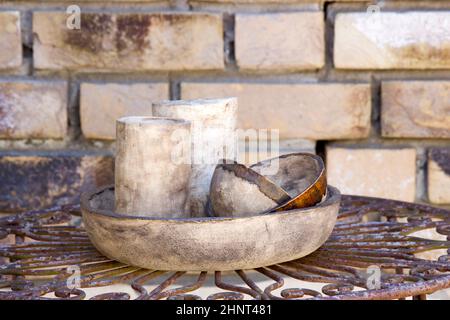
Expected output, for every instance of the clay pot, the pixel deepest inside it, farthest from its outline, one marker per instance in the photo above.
(207, 244)
(150, 180)
(213, 127)
(298, 181)
(239, 191)
(301, 175)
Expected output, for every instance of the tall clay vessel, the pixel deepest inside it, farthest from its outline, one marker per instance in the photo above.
(213, 138)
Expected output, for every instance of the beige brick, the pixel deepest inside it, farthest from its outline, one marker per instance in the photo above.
(285, 41)
(244, 1)
(392, 40)
(139, 1)
(439, 176)
(278, 2)
(33, 109)
(31, 181)
(416, 109)
(10, 40)
(138, 41)
(250, 154)
(309, 111)
(102, 104)
(385, 173)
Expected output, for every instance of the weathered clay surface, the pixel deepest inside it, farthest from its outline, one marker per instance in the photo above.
(287, 182)
(239, 191)
(311, 111)
(212, 136)
(207, 243)
(35, 182)
(10, 40)
(151, 178)
(384, 173)
(416, 109)
(101, 104)
(439, 176)
(301, 175)
(33, 109)
(392, 40)
(135, 41)
(281, 41)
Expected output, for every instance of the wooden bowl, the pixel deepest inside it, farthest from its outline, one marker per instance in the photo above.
(210, 243)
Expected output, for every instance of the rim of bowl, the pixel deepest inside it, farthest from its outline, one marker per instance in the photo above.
(150, 120)
(318, 159)
(333, 196)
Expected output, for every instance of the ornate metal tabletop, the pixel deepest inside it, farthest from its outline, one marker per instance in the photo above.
(379, 249)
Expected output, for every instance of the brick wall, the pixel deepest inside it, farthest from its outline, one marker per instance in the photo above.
(368, 91)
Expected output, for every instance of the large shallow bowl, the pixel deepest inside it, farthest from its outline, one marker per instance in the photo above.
(206, 244)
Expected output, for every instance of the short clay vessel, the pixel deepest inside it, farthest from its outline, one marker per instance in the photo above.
(294, 181)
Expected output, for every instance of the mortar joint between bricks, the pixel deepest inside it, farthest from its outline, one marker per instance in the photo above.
(174, 89)
(329, 42)
(229, 35)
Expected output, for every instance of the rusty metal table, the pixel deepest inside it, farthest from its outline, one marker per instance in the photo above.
(379, 249)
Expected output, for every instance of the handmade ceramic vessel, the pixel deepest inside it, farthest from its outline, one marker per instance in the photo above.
(150, 177)
(212, 138)
(238, 191)
(301, 175)
(294, 181)
(207, 244)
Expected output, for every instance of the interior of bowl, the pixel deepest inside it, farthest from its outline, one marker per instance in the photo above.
(241, 172)
(102, 201)
(296, 172)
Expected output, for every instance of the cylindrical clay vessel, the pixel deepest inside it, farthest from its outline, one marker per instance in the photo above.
(151, 178)
(213, 138)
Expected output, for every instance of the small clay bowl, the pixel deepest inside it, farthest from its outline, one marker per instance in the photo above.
(239, 191)
(209, 243)
(301, 175)
(287, 182)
